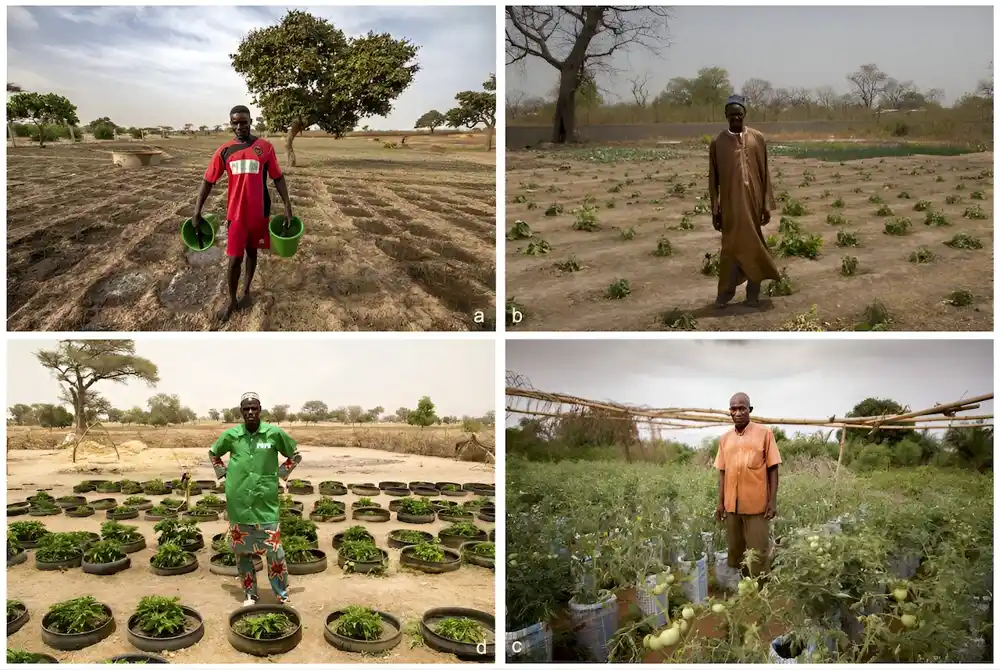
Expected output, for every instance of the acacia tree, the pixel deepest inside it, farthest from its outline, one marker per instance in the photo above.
(868, 82)
(304, 72)
(79, 364)
(430, 120)
(575, 39)
(42, 109)
(475, 107)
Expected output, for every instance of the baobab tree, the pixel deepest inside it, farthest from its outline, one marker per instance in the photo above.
(576, 40)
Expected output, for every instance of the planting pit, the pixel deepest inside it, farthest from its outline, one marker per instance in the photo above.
(404, 593)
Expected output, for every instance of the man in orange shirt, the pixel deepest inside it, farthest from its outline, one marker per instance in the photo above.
(747, 462)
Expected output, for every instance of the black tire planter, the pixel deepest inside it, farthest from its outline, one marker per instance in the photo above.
(132, 547)
(333, 518)
(392, 485)
(194, 630)
(454, 493)
(425, 493)
(372, 514)
(105, 569)
(478, 486)
(452, 562)
(44, 511)
(194, 545)
(122, 516)
(249, 645)
(482, 561)
(454, 516)
(297, 513)
(133, 490)
(422, 485)
(149, 491)
(205, 484)
(17, 559)
(84, 487)
(333, 490)
(392, 635)
(109, 487)
(302, 490)
(215, 507)
(362, 567)
(202, 516)
(493, 535)
(91, 539)
(339, 538)
(30, 544)
(188, 567)
(463, 650)
(394, 505)
(217, 568)
(319, 564)
(487, 516)
(404, 517)
(143, 506)
(18, 622)
(104, 503)
(77, 641)
(80, 512)
(159, 517)
(71, 501)
(456, 541)
(365, 490)
(397, 543)
(396, 492)
(17, 509)
(68, 564)
(135, 657)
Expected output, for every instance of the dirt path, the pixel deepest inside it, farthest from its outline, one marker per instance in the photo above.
(404, 593)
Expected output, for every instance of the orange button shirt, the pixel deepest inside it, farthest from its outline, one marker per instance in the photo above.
(745, 458)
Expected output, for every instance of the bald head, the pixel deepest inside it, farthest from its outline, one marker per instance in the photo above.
(739, 410)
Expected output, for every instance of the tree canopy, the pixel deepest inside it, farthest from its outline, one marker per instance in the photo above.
(430, 120)
(475, 107)
(305, 72)
(41, 109)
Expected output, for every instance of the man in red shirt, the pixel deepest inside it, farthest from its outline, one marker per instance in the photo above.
(247, 161)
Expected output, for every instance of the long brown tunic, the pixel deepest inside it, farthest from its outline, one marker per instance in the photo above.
(739, 185)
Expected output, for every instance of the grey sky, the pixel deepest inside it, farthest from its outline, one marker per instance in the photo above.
(935, 47)
(787, 379)
(150, 66)
(458, 375)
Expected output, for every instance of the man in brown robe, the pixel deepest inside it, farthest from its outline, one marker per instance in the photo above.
(739, 185)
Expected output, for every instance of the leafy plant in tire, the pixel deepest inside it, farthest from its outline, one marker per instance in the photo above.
(210, 499)
(410, 536)
(328, 507)
(105, 551)
(264, 626)
(362, 551)
(58, 547)
(159, 510)
(42, 498)
(365, 502)
(177, 532)
(294, 526)
(156, 487)
(122, 509)
(325, 78)
(358, 533)
(120, 532)
(19, 656)
(170, 555)
(15, 608)
(158, 616)
(78, 615)
(416, 507)
(133, 501)
(223, 544)
(13, 546)
(460, 629)
(484, 549)
(430, 552)
(297, 549)
(227, 556)
(359, 623)
(172, 503)
(462, 529)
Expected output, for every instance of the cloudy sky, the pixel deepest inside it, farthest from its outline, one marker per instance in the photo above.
(458, 375)
(787, 379)
(935, 47)
(153, 66)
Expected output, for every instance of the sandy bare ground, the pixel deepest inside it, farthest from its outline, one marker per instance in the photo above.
(651, 198)
(404, 593)
(396, 239)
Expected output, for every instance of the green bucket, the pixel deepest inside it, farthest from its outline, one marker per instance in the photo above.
(207, 234)
(285, 244)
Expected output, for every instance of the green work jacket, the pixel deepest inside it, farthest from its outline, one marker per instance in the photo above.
(253, 470)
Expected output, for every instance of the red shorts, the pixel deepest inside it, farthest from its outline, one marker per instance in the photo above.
(243, 235)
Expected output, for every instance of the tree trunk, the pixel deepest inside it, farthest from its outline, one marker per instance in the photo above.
(294, 130)
(72, 135)
(79, 405)
(41, 134)
(564, 121)
(489, 138)
(13, 138)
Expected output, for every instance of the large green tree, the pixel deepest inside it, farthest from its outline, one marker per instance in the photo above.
(476, 107)
(80, 364)
(424, 415)
(42, 109)
(304, 72)
(430, 120)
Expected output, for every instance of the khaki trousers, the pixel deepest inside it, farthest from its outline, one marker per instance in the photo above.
(748, 531)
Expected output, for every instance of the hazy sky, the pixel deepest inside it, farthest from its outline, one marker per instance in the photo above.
(457, 375)
(150, 66)
(935, 47)
(786, 379)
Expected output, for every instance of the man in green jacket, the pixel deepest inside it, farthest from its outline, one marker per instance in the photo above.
(252, 494)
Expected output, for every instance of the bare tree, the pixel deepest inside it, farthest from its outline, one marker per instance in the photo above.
(572, 39)
(756, 92)
(826, 96)
(640, 92)
(894, 92)
(868, 81)
(514, 103)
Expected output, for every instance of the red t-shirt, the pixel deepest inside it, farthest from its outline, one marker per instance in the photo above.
(248, 165)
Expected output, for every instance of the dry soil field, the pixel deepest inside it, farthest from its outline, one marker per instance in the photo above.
(404, 593)
(597, 216)
(395, 239)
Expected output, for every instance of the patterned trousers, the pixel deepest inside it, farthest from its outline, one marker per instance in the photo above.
(261, 539)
